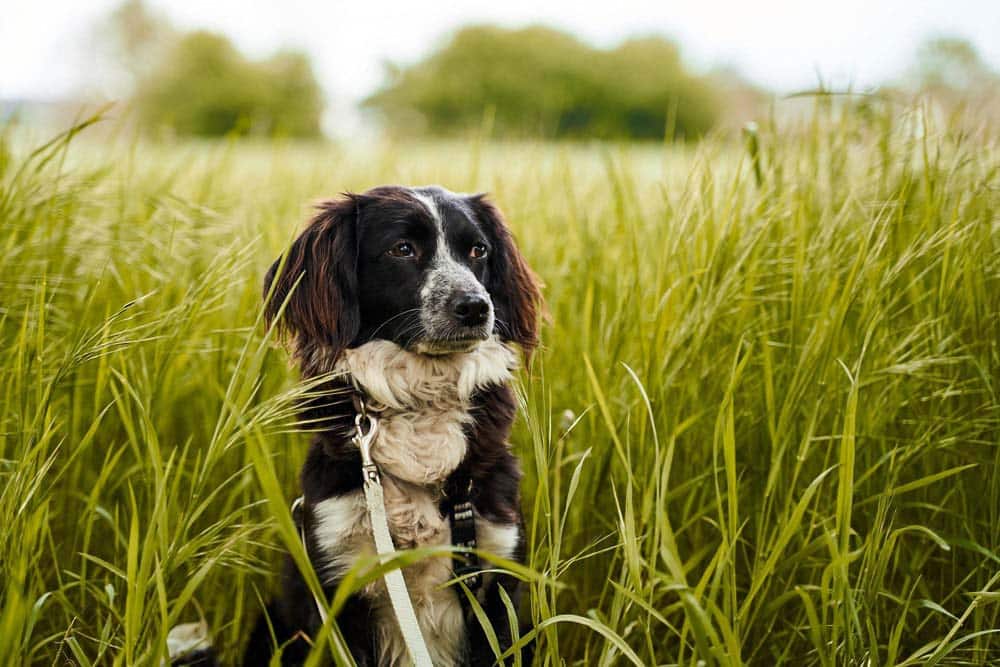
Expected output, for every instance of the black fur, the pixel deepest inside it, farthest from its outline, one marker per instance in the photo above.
(341, 285)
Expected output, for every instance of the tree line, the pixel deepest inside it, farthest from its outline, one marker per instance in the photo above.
(535, 82)
(539, 81)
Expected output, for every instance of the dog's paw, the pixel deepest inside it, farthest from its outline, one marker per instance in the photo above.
(190, 644)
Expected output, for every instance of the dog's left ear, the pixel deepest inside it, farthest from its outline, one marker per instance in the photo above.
(511, 283)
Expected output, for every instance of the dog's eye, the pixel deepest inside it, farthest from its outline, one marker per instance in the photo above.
(478, 251)
(403, 249)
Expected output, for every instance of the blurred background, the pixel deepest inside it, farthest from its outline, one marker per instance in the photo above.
(556, 70)
(781, 342)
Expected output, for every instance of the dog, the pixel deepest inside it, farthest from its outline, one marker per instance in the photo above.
(415, 301)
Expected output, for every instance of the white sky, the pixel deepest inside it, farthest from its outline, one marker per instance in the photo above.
(46, 50)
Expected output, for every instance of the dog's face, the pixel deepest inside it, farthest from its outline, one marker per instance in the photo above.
(431, 270)
(423, 268)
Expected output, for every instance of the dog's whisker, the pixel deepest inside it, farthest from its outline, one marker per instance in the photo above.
(394, 317)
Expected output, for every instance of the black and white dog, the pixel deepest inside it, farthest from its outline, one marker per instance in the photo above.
(413, 297)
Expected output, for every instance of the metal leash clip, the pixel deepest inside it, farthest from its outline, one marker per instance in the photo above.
(364, 437)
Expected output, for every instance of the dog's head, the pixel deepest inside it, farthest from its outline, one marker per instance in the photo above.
(431, 270)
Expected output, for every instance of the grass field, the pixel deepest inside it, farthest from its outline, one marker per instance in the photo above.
(783, 375)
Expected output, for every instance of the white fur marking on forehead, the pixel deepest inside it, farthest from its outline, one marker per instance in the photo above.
(432, 209)
(401, 379)
(443, 261)
(446, 277)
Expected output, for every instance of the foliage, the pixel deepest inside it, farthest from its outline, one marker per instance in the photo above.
(203, 86)
(542, 82)
(136, 37)
(784, 370)
(953, 63)
(950, 72)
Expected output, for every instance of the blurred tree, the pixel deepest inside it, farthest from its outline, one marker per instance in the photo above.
(204, 87)
(127, 43)
(201, 87)
(541, 82)
(953, 74)
(741, 100)
(293, 103)
(952, 63)
(137, 36)
(199, 84)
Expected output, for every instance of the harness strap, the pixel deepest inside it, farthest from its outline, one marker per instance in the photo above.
(461, 517)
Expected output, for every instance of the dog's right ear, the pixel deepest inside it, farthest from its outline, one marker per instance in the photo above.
(310, 293)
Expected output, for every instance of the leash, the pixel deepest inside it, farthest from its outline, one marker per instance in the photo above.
(365, 431)
(375, 500)
(458, 497)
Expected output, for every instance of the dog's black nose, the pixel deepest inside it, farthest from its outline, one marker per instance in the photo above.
(471, 309)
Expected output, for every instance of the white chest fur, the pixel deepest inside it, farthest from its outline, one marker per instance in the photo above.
(424, 405)
(343, 532)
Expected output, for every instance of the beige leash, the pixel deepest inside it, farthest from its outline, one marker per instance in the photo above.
(365, 432)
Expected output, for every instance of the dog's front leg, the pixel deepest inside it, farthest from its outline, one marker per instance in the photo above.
(480, 652)
(291, 623)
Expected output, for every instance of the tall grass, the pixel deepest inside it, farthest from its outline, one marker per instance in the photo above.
(764, 426)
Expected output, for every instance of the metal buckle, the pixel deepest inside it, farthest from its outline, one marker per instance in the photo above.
(365, 431)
